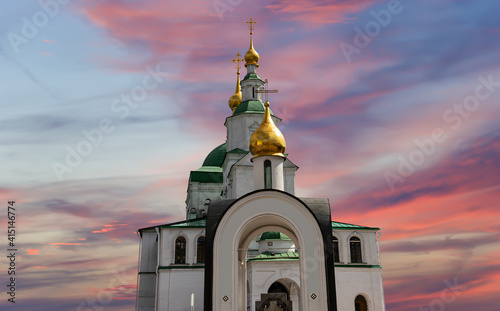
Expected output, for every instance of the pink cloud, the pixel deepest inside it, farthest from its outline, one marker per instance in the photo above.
(103, 230)
(33, 252)
(318, 12)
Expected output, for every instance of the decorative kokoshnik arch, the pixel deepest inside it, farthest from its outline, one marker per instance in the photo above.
(231, 226)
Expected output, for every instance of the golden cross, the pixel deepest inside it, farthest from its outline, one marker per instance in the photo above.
(237, 59)
(266, 90)
(250, 23)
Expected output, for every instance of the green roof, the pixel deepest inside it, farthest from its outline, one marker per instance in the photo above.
(343, 225)
(339, 265)
(190, 223)
(178, 266)
(201, 223)
(211, 171)
(216, 157)
(202, 266)
(251, 106)
(206, 174)
(273, 235)
(252, 76)
(266, 256)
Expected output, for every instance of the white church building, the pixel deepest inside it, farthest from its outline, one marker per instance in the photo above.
(248, 243)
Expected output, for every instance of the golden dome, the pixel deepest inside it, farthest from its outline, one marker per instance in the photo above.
(235, 100)
(251, 56)
(267, 138)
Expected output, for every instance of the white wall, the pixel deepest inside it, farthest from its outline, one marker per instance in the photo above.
(240, 176)
(147, 270)
(368, 245)
(175, 287)
(199, 192)
(279, 246)
(240, 127)
(277, 176)
(351, 282)
(168, 237)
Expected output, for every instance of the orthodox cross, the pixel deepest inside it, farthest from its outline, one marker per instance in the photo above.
(237, 59)
(250, 23)
(266, 90)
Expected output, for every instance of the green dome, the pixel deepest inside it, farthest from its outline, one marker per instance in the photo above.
(251, 106)
(273, 235)
(216, 157)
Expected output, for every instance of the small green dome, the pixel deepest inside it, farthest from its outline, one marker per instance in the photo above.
(273, 235)
(251, 106)
(216, 157)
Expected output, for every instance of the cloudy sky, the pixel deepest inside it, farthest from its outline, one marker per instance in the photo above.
(390, 109)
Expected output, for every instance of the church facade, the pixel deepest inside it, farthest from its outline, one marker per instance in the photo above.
(248, 243)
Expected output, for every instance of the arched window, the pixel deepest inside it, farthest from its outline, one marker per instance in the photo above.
(360, 303)
(200, 250)
(268, 180)
(355, 246)
(336, 254)
(180, 250)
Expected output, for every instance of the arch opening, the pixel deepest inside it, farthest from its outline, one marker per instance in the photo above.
(251, 216)
(277, 287)
(265, 255)
(360, 304)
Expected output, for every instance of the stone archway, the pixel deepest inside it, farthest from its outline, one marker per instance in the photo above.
(233, 227)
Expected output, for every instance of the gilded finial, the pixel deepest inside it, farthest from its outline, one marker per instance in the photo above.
(250, 23)
(235, 100)
(251, 56)
(237, 59)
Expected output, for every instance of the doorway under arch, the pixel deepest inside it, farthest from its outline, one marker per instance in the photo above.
(277, 287)
(292, 290)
